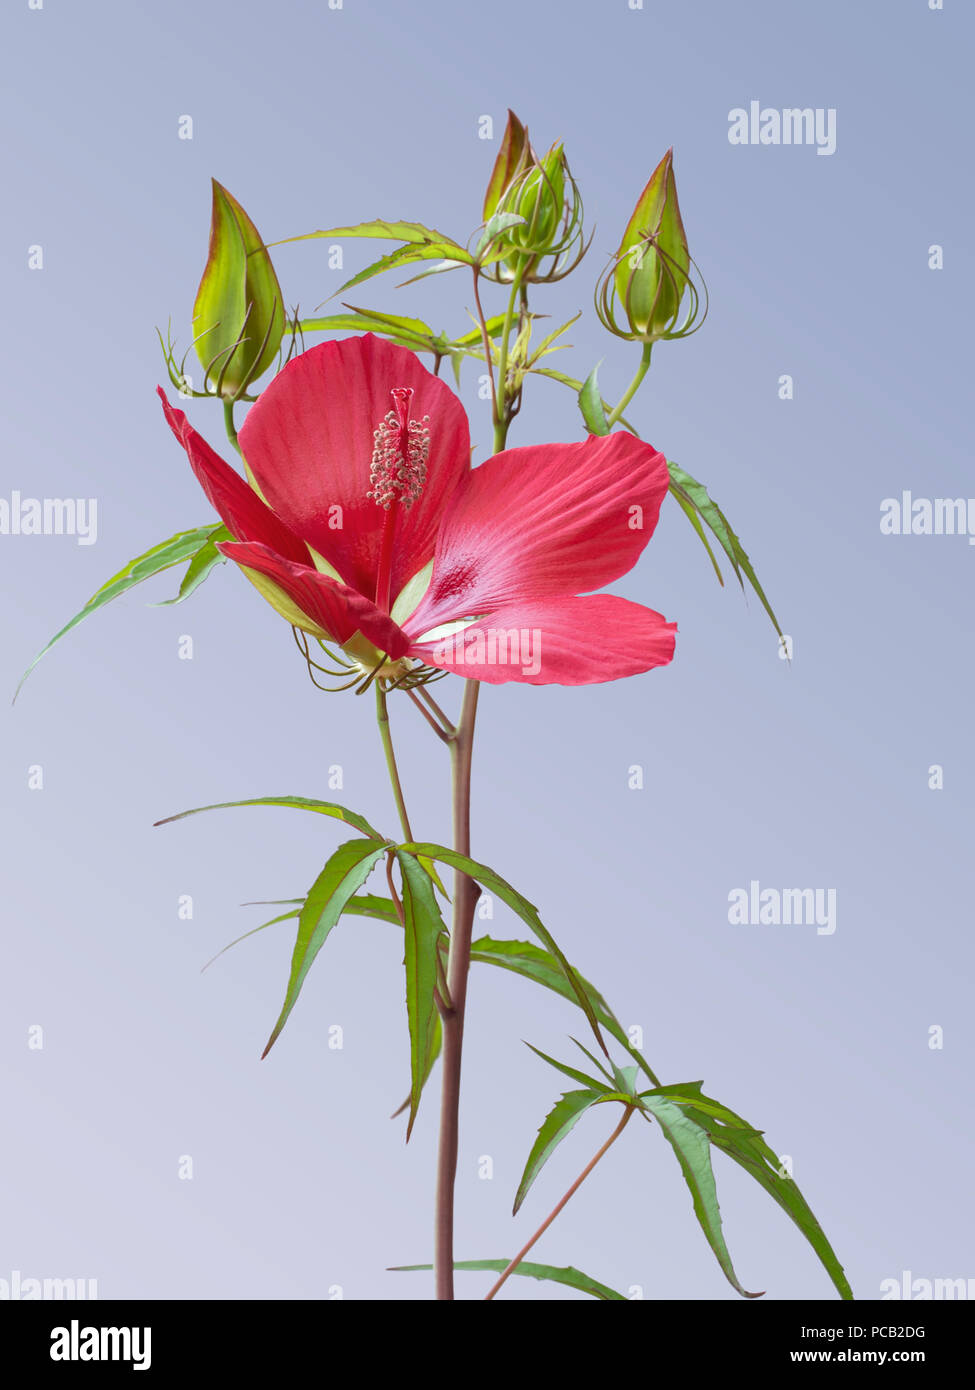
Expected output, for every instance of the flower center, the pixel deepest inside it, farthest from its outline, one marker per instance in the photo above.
(399, 454)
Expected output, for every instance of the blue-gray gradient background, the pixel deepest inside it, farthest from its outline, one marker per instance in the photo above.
(813, 774)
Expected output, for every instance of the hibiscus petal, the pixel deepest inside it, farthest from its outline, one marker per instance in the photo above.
(336, 609)
(558, 641)
(309, 441)
(551, 519)
(230, 495)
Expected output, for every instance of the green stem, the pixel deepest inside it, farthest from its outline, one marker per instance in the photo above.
(633, 387)
(510, 1269)
(228, 423)
(382, 716)
(501, 417)
(452, 1018)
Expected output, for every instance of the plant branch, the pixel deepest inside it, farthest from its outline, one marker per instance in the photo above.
(486, 339)
(633, 387)
(559, 1205)
(228, 423)
(502, 413)
(382, 716)
(434, 724)
(466, 893)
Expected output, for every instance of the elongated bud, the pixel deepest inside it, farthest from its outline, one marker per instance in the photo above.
(513, 158)
(547, 240)
(238, 317)
(650, 273)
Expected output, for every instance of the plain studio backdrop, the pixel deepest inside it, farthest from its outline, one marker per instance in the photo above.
(810, 774)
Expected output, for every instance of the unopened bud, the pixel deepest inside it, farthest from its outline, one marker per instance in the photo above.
(238, 317)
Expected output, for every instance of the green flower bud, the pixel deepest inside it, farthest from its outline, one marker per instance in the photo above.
(650, 273)
(238, 317)
(543, 195)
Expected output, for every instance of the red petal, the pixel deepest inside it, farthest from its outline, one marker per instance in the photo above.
(230, 495)
(309, 441)
(341, 611)
(554, 519)
(559, 641)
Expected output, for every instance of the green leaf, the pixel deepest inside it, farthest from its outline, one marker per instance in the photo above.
(284, 917)
(495, 327)
(591, 404)
(691, 1143)
(298, 803)
(362, 905)
(533, 963)
(687, 507)
(527, 911)
(424, 929)
(409, 255)
(183, 546)
(546, 345)
(574, 1278)
(407, 332)
(436, 1043)
(206, 559)
(591, 1083)
(714, 518)
(366, 905)
(735, 1137)
(411, 232)
(564, 1115)
(328, 897)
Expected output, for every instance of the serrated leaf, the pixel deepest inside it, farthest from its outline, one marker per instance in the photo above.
(297, 803)
(687, 507)
(527, 911)
(283, 917)
(436, 1043)
(342, 877)
(206, 559)
(407, 332)
(591, 404)
(747, 1147)
(533, 963)
(559, 1121)
(567, 1274)
(380, 230)
(163, 556)
(692, 1145)
(367, 905)
(591, 1083)
(424, 928)
(714, 518)
(408, 255)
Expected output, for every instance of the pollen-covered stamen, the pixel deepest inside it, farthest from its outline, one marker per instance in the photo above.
(400, 453)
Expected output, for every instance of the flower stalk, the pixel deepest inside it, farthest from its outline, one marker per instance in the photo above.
(466, 893)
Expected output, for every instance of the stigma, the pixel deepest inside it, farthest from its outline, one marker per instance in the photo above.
(401, 447)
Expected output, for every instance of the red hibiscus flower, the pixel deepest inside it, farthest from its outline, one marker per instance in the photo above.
(364, 524)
